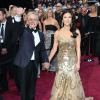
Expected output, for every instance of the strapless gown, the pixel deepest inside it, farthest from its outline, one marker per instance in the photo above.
(50, 29)
(67, 84)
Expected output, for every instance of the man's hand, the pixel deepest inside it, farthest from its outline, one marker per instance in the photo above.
(46, 65)
(3, 51)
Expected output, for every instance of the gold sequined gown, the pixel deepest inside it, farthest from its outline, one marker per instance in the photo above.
(67, 84)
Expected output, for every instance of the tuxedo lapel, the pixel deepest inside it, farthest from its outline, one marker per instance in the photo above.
(40, 36)
(7, 28)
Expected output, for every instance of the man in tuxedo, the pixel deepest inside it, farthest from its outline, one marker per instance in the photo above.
(58, 13)
(83, 20)
(8, 39)
(31, 50)
(15, 19)
(6, 51)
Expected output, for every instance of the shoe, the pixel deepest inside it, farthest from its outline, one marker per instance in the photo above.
(1, 97)
(38, 76)
(89, 60)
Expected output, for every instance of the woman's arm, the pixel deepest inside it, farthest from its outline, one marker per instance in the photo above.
(57, 25)
(55, 46)
(44, 30)
(78, 41)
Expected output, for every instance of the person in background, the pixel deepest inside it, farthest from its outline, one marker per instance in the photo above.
(58, 13)
(98, 35)
(83, 21)
(92, 29)
(8, 38)
(15, 19)
(50, 26)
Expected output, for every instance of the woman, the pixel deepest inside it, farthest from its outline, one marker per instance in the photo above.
(98, 36)
(50, 26)
(67, 84)
(41, 18)
(92, 28)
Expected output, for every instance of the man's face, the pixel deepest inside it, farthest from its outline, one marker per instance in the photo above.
(32, 20)
(14, 11)
(58, 7)
(2, 16)
(39, 6)
(84, 10)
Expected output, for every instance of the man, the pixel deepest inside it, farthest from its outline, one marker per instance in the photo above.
(9, 35)
(83, 20)
(17, 26)
(58, 13)
(7, 41)
(31, 50)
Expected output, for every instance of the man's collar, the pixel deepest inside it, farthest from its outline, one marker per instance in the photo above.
(34, 30)
(4, 22)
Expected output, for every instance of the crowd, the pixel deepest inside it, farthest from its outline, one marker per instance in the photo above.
(38, 37)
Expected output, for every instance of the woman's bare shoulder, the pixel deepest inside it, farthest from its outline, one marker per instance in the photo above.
(77, 31)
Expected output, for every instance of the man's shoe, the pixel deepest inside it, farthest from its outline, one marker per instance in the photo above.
(1, 97)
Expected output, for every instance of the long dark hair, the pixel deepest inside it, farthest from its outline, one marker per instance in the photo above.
(73, 24)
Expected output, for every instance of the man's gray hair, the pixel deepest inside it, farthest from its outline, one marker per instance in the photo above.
(34, 13)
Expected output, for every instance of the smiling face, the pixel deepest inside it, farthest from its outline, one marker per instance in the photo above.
(67, 19)
(32, 20)
(49, 13)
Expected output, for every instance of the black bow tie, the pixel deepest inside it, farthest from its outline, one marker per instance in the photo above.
(34, 30)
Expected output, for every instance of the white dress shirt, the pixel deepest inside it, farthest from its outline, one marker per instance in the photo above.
(4, 26)
(36, 42)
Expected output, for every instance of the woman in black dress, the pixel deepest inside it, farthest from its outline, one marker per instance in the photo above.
(98, 36)
(92, 29)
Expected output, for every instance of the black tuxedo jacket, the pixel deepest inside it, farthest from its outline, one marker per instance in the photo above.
(11, 36)
(27, 47)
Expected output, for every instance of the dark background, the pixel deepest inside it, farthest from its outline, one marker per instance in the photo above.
(23, 3)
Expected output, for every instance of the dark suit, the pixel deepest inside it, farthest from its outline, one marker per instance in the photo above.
(6, 58)
(1, 98)
(83, 20)
(26, 69)
(11, 37)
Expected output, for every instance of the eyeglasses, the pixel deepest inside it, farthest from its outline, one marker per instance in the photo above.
(33, 20)
(58, 6)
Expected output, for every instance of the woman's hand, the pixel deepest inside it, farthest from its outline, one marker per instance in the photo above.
(77, 66)
(46, 66)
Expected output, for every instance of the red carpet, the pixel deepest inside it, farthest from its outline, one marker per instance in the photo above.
(90, 75)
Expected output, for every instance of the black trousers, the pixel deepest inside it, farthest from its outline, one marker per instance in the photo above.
(25, 79)
(85, 46)
(3, 77)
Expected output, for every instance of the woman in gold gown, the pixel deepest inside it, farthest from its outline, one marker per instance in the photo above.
(67, 84)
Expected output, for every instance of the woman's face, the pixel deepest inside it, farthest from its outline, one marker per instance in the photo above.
(67, 19)
(50, 13)
(40, 12)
